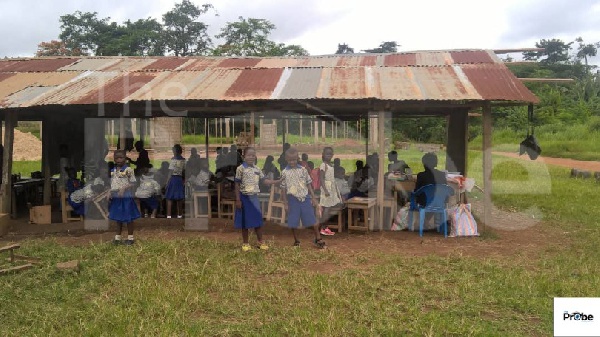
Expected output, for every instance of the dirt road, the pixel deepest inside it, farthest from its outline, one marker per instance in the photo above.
(593, 166)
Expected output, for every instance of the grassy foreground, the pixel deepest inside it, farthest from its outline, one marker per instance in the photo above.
(202, 287)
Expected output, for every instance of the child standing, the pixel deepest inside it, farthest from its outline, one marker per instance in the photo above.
(148, 192)
(175, 188)
(122, 207)
(247, 212)
(299, 197)
(330, 196)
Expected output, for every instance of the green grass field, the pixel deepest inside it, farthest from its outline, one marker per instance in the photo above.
(206, 287)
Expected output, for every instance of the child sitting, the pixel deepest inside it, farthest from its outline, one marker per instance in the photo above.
(72, 183)
(148, 192)
(78, 198)
(204, 177)
(340, 180)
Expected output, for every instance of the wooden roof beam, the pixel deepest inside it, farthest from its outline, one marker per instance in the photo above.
(548, 80)
(516, 50)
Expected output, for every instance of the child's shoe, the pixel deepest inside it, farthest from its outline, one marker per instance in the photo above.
(116, 242)
(296, 243)
(180, 217)
(246, 247)
(263, 246)
(320, 244)
(327, 231)
(129, 242)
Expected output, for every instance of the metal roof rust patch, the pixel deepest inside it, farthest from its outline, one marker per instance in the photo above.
(168, 63)
(239, 63)
(254, 84)
(471, 57)
(118, 89)
(39, 65)
(496, 82)
(345, 83)
(400, 60)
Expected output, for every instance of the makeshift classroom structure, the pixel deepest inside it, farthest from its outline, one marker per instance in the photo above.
(71, 95)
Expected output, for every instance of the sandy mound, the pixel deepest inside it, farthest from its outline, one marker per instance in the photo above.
(26, 146)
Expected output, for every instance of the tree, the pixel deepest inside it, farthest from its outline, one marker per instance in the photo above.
(250, 37)
(555, 51)
(56, 48)
(144, 38)
(586, 50)
(344, 49)
(184, 35)
(384, 47)
(80, 31)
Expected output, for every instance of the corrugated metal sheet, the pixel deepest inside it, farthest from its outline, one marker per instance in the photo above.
(117, 89)
(39, 65)
(400, 60)
(215, 84)
(466, 57)
(201, 64)
(254, 84)
(90, 64)
(343, 83)
(130, 64)
(78, 87)
(298, 83)
(21, 81)
(496, 82)
(424, 75)
(433, 59)
(167, 63)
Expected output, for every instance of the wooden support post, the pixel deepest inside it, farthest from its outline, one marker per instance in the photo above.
(251, 143)
(206, 136)
(366, 137)
(283, 135)
(46, 172)
(10, 121)
(316, 129)
(323, 131)
(457, 142)
(380, 179)
(121, 133)
(487, 164)
(300, 129)
(143, 130)
(228, 128)
(287, 126)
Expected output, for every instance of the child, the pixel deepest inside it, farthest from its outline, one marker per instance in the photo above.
(122, 207)
(201, 181)
(78, 198)
(72, 183)
(330, 196)
(247, 212)
(314, 175)
(296, 186)
(147, 192)
(175, 188)
(340, 181)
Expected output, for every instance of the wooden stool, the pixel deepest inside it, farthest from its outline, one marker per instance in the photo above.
(66, 209)
(226, 207)
(276, 204)
(367, 206)
(201, 194)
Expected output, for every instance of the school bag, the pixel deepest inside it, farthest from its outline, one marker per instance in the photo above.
(462, 221)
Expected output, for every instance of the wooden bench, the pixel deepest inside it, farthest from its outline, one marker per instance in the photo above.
(12, 257)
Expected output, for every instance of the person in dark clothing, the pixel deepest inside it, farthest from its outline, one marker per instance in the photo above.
(430, 175)
(281, 161)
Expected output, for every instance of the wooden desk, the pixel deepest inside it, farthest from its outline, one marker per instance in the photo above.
(28, 191)
(367, 206)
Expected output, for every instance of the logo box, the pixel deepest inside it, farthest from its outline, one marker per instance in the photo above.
(577, 316)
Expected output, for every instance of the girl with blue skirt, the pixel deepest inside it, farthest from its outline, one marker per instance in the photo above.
(175, 189)
(247, 213)
(123, 208)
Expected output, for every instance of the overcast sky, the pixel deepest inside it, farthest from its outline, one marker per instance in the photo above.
(319, 25)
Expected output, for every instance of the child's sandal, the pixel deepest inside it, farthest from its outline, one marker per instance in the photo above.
(296, 243)
(320, 244)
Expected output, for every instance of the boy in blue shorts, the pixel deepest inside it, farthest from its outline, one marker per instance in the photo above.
(299, 197)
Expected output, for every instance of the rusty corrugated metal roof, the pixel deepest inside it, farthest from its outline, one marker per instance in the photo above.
(455, 75)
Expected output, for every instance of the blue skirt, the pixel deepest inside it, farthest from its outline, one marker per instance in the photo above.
(123, 209)
(249, 216)
(149, 203)
(175, 189)
(78, 208)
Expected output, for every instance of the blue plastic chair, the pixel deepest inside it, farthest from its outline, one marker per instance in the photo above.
(436, 196)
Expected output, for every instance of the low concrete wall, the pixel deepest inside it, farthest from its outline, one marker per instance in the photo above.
(196, 224)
